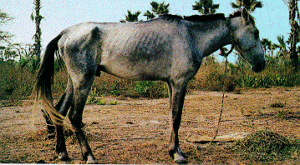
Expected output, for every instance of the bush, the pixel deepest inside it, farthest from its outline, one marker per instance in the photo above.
(151, 89)
(111, 85)
(211, 76)
(14, 83)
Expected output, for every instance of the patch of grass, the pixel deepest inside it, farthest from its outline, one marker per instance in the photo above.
(94, 99)
(277, 105)
(92, 96)
(267, 146)
(113, 103)
(281, 114)
(101, 101)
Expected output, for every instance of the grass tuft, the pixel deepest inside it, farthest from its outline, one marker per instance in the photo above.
(277, 105)
(266, 146)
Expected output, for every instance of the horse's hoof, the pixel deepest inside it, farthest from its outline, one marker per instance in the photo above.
(179, 159)
(63, 156)
(91, 160)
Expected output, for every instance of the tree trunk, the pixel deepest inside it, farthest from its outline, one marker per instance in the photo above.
(293, 36)
(38, 33)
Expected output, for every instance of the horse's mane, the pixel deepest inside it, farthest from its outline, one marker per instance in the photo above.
(170, 17)
(202, 18)
(235, 14)
(194, 18)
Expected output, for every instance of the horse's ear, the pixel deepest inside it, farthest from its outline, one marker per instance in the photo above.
(245, 15)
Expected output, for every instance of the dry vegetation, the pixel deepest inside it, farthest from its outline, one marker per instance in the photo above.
(137, 130)
(16, 83)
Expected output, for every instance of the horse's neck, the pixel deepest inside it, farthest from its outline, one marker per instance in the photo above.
(211, 36)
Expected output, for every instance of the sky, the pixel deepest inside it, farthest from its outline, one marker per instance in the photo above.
(271, 20)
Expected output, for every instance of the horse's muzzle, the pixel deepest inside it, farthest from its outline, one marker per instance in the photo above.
(259, 67)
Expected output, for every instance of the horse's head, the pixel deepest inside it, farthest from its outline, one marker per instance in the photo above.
(246, 40)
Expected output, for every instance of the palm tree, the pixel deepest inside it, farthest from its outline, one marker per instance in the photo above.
(131, 17)
(36, 17)
(160, 8)
(272, 47)
(249, 5)
(266, 43)
(205, 6)
(4, 17)
(157, 9)
(4, 36)
(149, 15)
(283, 52)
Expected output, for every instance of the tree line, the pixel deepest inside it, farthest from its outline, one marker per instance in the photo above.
(29, 54)
(25, 54)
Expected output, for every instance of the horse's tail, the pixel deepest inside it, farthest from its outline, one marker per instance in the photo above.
(44, 80)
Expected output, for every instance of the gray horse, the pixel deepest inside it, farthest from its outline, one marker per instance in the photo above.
(169, 48)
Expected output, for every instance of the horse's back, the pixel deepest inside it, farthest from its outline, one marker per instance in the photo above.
(147, 50)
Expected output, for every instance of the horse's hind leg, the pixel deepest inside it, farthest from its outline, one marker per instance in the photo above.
(50, 125)
(65, 101)
(62, 107)
(81, 90)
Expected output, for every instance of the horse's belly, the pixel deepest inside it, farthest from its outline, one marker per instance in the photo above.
(136, 71)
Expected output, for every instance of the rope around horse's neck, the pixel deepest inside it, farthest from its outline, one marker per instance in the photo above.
(223, 97)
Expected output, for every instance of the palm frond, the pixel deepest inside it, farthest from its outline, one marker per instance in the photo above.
(235, 6)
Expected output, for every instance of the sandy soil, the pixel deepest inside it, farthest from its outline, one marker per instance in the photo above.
(137, 130)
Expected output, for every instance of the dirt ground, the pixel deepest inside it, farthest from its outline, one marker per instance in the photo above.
(136, 131)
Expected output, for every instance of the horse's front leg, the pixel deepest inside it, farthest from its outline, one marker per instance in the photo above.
(177, 94)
